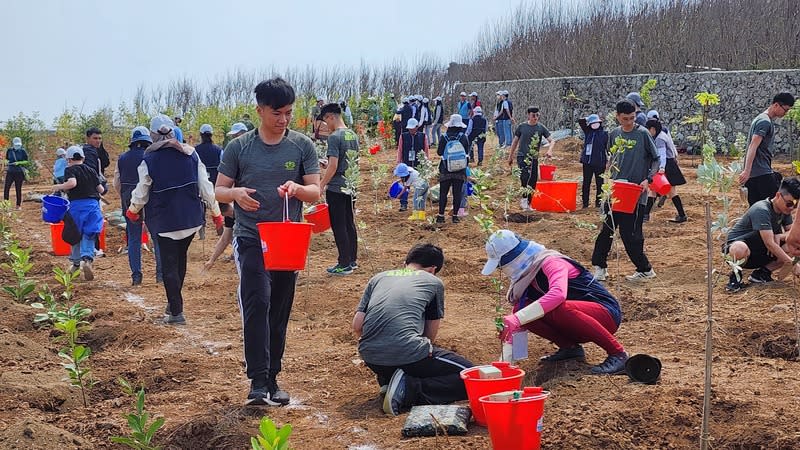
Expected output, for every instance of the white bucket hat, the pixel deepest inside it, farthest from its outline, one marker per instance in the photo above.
(455, 121)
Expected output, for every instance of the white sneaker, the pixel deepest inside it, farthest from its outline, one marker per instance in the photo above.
(600, 273)
(99, 253)
(641, 276)
(523, 203)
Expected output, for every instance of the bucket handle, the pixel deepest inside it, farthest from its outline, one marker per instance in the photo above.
(286, 207)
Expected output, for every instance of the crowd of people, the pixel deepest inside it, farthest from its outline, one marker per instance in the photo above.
(266, 173)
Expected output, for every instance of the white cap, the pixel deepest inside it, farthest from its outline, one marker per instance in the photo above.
(60, 151)
(499, 93)
(412, 123)
(473, 94)
(161, 124)
(463, 94)
(504, 92)
(652, 114)
(206, 129)
(16, 141)
(455, 121)
(320, 98)
(499, 243)
(74, 150)
(237, 128)
(425, 100)
(478, 111)
(438, 99)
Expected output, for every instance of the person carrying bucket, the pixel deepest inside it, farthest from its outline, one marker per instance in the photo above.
(528, 140)
(172, 182)
(397, 321)
(126, 177)
(270, 167)
(410, 178)
(668, 165)
(636, 165)
(340, 203)
(83, 187)
(556, 298)
(594, 157)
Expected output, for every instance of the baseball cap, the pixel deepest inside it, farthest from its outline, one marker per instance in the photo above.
(74, 150)
(320, 98)
(635, 97)
(507, 250)
(401, 170)
(473, 94)
(652, 114)
(477, 111)
(437, 99)
(60, 152)
(463, 94)
(16, 141)
(499, 243)
(237, 127)
(412, 123)
(161, 124)
(426, 100)
(141, 133)
(206, 129)
(593, 118)
(504, 92)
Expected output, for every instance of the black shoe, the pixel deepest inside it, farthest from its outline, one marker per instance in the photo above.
(679, 219)
(661, 201)
(456, 219)
(177, 319)
(564, 354)
(403, 208)
(259, 395)
(760, 275)
(612, 365)
(136, 279)
(439, 218)
(734, 284)
(276, 394)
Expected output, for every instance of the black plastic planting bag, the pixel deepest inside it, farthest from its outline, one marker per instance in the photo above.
(452, 418)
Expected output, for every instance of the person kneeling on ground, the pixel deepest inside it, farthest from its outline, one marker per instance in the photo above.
(397, 321)
(556, 298)
(409, 178)
(759, 237)
(83, 189)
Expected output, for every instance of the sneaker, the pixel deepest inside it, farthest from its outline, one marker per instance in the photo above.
(136, 279)
(340, 270)
(354, 265)
(403, 208)
(439, 218)
(99, 253)
(600, 273)
(523, 203)
(276, 394)
(641, 276)
(259, 395)
(462, 212)
(395, 393)
(661, 201)
(734, 284)
(613, 365)
(760, 276)
(456, 219)
(679, 219)
(177, 319)
(86, 269)
(564, 354)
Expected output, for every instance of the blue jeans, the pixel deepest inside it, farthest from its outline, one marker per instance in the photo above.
(504, 132)
(436, 131)
(133, 231)
(84, 249)
(404, 199)
(500, 128)
(464, 195)
(420, 195)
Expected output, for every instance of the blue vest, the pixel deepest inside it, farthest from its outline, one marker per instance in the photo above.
(415, 144)
(583, 287)
(128, 166)
(210, 155)
(174, 202)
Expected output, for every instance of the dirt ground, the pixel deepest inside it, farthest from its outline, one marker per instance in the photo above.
(194, 374)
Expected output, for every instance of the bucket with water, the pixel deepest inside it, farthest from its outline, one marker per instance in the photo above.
(285, 244)
(515, 418)
(54, 208)
(510, 379)
(319, 217)
(625, 196)
(546, 172)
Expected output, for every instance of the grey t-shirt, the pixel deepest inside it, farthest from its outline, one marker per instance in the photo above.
(525, 132)
(762, 126)
(760, 216)
(639, 162)
(253, 164)
(339, 143)
(397, 303)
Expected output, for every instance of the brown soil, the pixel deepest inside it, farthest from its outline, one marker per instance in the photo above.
(194, 374)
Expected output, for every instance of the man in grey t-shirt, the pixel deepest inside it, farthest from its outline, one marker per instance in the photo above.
(759, 237)
(259, 171)
(526, 145)
(340, 201)
(757, 176)
(397, 321)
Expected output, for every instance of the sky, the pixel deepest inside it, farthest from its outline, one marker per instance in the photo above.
(89, 53)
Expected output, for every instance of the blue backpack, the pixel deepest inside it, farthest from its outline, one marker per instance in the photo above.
(455, 156)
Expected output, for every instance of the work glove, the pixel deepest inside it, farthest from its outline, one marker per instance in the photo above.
(219, 222)
(132, 216)
(511, 325)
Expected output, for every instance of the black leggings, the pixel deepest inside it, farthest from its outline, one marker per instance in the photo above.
(15, 178)
(590, 172)
(446, 185)
(340, 208)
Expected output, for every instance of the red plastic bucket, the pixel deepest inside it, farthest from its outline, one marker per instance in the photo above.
(511, 422)
(285, 244)
(546, 172)
(510, 380)
(319, 217)
(660, 184)
(625, 196)
(555, 196)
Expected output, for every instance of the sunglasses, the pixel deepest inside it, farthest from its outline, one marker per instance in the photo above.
(790, 203)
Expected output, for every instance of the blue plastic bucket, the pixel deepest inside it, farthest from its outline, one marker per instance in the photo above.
(470, 189)
(54, 208)
(395, 189)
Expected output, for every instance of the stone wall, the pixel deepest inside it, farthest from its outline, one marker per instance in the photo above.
(743, 95)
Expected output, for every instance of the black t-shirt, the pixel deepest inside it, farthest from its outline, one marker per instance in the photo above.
(87, 180)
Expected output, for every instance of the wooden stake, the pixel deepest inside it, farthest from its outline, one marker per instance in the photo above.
(704, 432)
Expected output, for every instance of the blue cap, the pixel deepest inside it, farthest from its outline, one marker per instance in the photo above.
(635, 97)
(141, 134)
(238, 127)
(593, 118)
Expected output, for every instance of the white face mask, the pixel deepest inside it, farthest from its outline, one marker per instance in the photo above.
(595, 125)
(17, 146)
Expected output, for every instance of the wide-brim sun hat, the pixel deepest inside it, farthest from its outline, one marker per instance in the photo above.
(593, 118)
(140, 133)
(455, 121)
(509, 252)
(401, 170)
